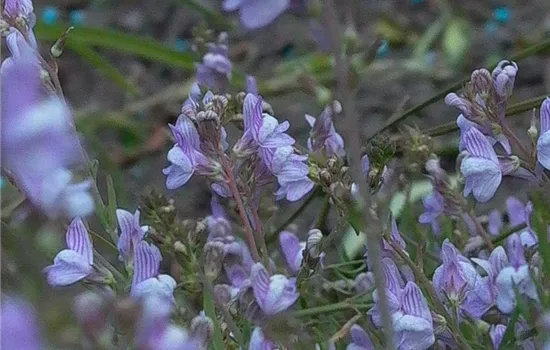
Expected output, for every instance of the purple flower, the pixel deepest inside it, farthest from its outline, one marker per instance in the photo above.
(411, 316)
(520, 214)
(258, 341)
(458, 284)
(365, 165)
(131, 233)
(19, 327)
(257, 13)
(543, 143)
(37, 152)
(185, 157)
(434, 204)
(495, 223)
(147, 281)
(292, 250)
(480, 168)
(75, 263)
(504, 76)
(19, 8)
(251, 85)
(364, 282)
(360, 340)
(323, 137)
(273, 294)
(265, 136)
(496, 332)
(516, 276)
(215, 70)
(464, 125)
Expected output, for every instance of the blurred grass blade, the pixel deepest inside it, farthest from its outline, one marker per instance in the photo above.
(208, 305)
(457, 40)
(212, 17)
(112, 206)
(509, 334)
(428, 38)
(103, 65)
(111, 39)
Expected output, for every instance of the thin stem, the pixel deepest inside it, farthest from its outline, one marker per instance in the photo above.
(508, 233)
(259, 229)
(344, 305)
(428, 253)
(353, 149)
(240, 206)
(322, 218)
(344, 264)
(275, 233)
(481, 231)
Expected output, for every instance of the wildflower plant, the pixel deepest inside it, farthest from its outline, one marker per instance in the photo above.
(440, 274)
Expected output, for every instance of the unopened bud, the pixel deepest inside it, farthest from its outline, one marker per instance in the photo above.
(313, 244)
(202, 328)
(213, 258)
(364, 282)
(4, 27)
(57, 48)
(220, 103)
(91, 310)
(180, 247)
(533, 131)
(325, 177)
(481, 79)
(332, 164)
(439, 323)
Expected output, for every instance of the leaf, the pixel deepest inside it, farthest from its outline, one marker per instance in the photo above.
(112, 206)
(428, 38)
(208, 305)
(509, 334)
(104, 66)
(457, 40)
(111, 39)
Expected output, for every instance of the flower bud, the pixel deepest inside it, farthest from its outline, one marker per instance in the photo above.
(325, 177)
(57, 48)
(439, 323)
(91, 310)
(222, 293)
(180, 247)
(213, 258)
(4, 28)
(313, 244)
(533, 131)
(481, 80)
(364, 282)
(202, 328)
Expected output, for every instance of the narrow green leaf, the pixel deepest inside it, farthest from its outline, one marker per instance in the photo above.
(457, 40)
(429, 36)
(112, 206)
(509, 334)
(103, 65)
(111, 39)
(212, 17)
(208, 305)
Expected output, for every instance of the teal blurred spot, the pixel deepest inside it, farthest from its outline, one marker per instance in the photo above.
(50, 14)
(383, 49)
(2, 183)
(501, 14)
(288, 51)
(416, 2)
(181, 45)
(77, 17)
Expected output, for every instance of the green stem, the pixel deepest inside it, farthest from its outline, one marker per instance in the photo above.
(208, 305)
(347, 263)
(508, 233)
(322, 218)
(344, 305)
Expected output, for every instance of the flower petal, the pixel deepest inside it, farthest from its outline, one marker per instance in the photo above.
(256, 13)
(259, 342)
(79, 240)
(161, 287)
(414, 303)
(360, 338)
(147, 260)
(68, 267)
(482, 177)
(543, 150)
(273, 294)
(292, 250)
(252, 114)
(181, 169)
(414, 333)
(477, 145)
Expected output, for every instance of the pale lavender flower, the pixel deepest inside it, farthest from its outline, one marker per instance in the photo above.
(258, 341)
(19, 8)
(131, 233)
(185, 156)
(263, 135)
(273, 294)
(434, 205)
(155, 332)
(215, 70)
(251, 85)
(292, 250)
(504, 76)
(255, 14)
(520, 214)
(495, 222)
(364, 282)
(464, 125)
(37, 151)
(411, 316)
(496, 332)
(480, 168)
(323, 137)
(19, 326)
(147, 281)
(457, 283)
(75, 263)
(360, 340)
(543, 143)
(365, 165)
(515, 276)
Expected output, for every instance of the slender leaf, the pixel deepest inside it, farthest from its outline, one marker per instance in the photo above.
(103, 65)
(111, 197)
(208, 305)
(509, 334)
(111, 39)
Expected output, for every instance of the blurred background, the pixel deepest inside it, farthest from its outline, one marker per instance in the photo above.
(128, 66)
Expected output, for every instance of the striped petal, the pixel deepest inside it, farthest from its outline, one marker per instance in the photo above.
(79, 240)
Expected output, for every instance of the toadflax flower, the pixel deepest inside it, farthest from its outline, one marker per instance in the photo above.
(131, 233)
(360, 340)
(147, 281)
(292, 250)
(38, 151)
(521, 214)
(273, 294)
(411, 316)
(459, 286)
(265, 137)
(215, 70)
(516, 276)
(75, 263)
(258, 341)
(19, 326)
(480, 168)
(255, 14)
(323, 136)
(543, 143)
(434, 205)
